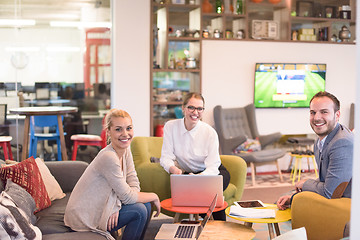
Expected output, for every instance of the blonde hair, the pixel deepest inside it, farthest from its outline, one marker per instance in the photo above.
(113, 113)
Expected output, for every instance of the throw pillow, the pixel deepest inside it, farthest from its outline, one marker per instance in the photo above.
(52, 186)
(27, 175)
(250, 145)
(14, 224)
(22, 199)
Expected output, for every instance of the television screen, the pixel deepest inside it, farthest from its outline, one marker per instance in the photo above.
(287, 85)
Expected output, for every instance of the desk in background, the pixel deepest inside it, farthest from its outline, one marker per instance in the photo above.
(41, 111)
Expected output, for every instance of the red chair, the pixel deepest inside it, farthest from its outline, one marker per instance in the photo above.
(88, 140)
(5, 144)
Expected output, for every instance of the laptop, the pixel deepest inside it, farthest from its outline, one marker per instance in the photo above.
(185, 231)
(196, 190)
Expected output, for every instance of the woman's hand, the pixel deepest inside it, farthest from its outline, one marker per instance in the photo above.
(175, 170)
(113, 221)
(283, 202)
(156, 202)
(144, 197)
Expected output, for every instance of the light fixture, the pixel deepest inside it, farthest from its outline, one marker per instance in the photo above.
(22, 49)
(62, 49)
(80, 24)
(17, 22)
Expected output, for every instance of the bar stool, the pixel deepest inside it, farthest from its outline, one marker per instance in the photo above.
(5, 144)
(86, 140)
(298, 156)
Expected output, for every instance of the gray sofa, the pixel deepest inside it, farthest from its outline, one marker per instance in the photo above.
(51, 220)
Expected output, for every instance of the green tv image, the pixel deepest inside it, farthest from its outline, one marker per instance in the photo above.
(287, 85)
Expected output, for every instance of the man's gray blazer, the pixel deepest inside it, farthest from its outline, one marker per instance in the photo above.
(335, 163)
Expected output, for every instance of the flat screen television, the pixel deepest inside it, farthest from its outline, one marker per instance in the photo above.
(287, 85)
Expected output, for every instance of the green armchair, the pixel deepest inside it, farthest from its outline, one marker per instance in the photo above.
(322, 218)
(153, 178)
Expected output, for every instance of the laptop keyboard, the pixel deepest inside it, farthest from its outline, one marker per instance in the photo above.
(185, 231)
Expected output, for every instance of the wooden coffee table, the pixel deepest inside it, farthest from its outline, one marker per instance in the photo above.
(192, 211)
(273, 226)
(226, 231)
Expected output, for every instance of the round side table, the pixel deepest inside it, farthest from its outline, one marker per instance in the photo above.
(192, 211)
(273, 226)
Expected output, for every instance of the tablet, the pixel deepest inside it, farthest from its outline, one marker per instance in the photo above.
(250, 203)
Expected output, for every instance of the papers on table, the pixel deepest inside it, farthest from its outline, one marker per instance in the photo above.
(238, 211)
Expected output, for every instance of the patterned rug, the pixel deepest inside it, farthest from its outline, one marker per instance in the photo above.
(273, 180)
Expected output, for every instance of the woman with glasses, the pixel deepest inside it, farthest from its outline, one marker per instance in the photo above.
(191, 146)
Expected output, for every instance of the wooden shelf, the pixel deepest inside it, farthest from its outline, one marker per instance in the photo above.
(167, 103)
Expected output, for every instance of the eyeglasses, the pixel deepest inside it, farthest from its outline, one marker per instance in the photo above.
(192, 109)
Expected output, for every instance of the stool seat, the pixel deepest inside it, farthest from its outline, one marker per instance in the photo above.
(85, 137)
(86, 140)
(5, 138)
(5, 144)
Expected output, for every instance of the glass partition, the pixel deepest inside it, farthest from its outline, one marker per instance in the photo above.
(55, 53)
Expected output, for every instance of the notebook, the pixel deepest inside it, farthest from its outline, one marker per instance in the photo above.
(196, 190)
(185, 231)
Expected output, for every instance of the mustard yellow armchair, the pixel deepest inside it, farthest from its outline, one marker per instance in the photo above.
(153, 178)
(322, 218)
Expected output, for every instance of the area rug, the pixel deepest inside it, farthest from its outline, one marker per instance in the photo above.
(273, 180)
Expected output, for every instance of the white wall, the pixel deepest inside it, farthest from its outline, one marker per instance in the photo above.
(228, 78)
(131, 61)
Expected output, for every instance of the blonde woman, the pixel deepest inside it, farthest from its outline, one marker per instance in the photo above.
(107, 196)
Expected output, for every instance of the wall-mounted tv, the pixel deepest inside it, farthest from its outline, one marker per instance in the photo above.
(287, 85)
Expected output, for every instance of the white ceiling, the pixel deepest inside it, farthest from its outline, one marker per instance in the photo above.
(44, 11)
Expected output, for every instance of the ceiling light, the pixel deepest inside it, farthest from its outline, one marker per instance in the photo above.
(17, 22)
(62, 49)
(22, 49)
(80, 24)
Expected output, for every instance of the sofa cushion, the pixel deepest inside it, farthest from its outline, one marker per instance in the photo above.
(74, 235)
(51, 220)
(52, 186)
(250, 145)
(22, 199)
(27, 175)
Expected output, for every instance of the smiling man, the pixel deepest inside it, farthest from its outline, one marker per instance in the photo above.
(333, 149)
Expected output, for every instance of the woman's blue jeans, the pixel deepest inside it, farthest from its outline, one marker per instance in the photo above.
(136, 218)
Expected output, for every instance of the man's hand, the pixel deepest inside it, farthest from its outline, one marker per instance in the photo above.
(113, 221)
(175, 170)
(283, 202)
(299, 185)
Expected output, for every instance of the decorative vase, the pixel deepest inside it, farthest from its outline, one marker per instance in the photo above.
(207, 7)
(344, 34)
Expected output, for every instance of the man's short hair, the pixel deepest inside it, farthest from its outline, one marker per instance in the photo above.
(329, 95)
